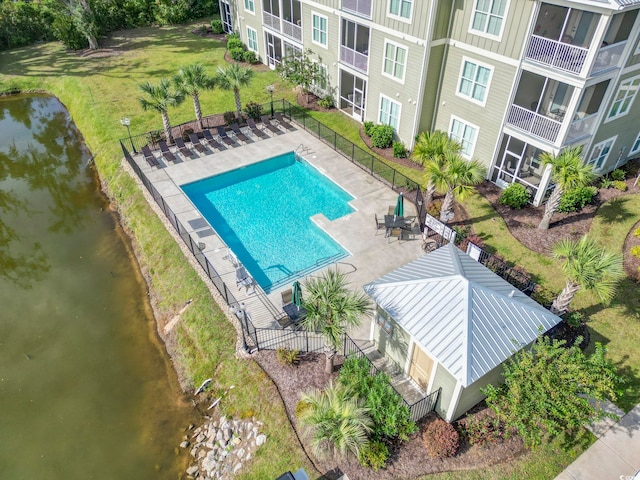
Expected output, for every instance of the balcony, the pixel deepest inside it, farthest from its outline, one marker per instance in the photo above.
(534, 123)
(359, 61)
(359, 7)
(563, 56)
(581, 128)
(608, 58)
(271, 21)
(292, 30)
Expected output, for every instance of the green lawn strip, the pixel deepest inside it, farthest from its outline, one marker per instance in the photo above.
(98, 92)
(540, 463)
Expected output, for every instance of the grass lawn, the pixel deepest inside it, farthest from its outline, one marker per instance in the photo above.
(98, 91)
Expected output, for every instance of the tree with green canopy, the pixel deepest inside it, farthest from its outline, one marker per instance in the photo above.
(234, 77)
(430, 147)
(192, 80)
(160, 98)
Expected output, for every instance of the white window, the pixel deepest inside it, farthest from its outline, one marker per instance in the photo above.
(600, 153)
(465, 134)
(636, 146)
(319, 29)
(474, 81)
(488, 17)
(400, 8)
(395, 57)
(249, 6)
(389, 112)
(624, 98)
(252, 39)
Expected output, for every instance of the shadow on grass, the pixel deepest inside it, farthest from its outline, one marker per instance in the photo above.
(615, 211)
(630, 390)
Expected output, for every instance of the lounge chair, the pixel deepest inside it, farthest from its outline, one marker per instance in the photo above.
(166, 153)
(379, 224)
(226, 138)
(212, 141)
(255, 130)
(195, 141)
(270, 126)
(149, 157)
(243, 279)
(184, 151)
(282, 121)
(238, 133)
(287, 297)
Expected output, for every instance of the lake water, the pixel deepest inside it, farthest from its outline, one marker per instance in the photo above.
(86, 389)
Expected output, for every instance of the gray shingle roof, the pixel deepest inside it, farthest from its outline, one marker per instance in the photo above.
(461, 313)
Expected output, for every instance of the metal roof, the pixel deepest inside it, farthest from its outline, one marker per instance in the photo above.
(462, 314)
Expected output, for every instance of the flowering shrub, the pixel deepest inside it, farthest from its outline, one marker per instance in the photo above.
(440, 439)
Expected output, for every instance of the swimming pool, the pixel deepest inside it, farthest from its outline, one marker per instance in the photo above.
(263, 213)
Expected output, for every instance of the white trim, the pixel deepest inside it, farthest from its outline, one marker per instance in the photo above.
(478, 65)
(391, 100)
(628, 81)
(253, 2)
(455, 400)
(636, 150)
(432, 377)
(400, 17)
(256, 40)
(483, 53)
(469, 155)
(480, 33)
(326, 32)
(611, 140)
(384, 58)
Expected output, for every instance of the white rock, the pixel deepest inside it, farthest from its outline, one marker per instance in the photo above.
(240, 453)
(260, 439)
(200, 438)
(184, 444)
(237, 467)
(192, 470)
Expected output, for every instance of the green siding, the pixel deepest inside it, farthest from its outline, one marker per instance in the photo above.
(443, 15)
(471, 396)
(443, 379)
(417, 27)
(394, 346)
(429, 99)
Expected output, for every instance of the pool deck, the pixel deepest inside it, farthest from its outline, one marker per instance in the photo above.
(371, 253)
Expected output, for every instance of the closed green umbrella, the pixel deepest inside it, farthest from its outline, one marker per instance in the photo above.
(399, 210)
(297, 294)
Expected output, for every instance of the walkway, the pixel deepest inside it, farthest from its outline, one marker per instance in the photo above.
(616, 453)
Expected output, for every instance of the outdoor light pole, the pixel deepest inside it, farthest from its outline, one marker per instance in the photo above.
(270, 89)
(126, 122)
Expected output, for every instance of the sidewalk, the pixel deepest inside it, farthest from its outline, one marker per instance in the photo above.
(616, 453)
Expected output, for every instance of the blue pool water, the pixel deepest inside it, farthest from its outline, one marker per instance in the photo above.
(263, 213)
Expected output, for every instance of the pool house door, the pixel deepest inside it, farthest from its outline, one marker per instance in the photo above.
(420, 367)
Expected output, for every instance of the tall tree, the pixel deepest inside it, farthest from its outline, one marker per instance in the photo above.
(588, 266)
(430, 147)
(455, 176)
(160, 98)
(301, 71)
(337, 419)
(234, 77)
(330, 309)
(85, 21)
(192, 80)
(548, 386)
(567, 171)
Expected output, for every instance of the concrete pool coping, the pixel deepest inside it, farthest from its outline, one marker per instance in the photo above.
(371, 253)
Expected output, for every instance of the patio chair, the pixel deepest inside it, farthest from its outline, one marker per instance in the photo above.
(226, 138)
(184, 151)
(287, 297)
(270, 126)
(195, 141)
(238, 133)
(282, 121)
(166, 153)
(150, 157)
(379, 224)
(394, 232)
(243, 279)
(211, 141)
(255, 130)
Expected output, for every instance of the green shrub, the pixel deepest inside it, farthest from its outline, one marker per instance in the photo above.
(368, 128)
(543, 296)
(237, 54)
(481, 430)
(374, 455)
(575, 319)
(382, 136)
(440, 439)
(515, 196)
(399, 150)
(576, 198)
(620, 185)
(253, 110)
(617, 175)
(635, 251)
(233, 41)
(250, 57)
(462, 232)
(301, 407)
(65, 30)
(216, 26)
(606, 182)
(434, 208)
(185, 133)
(287, 356)
(327, 102)
(229, 117)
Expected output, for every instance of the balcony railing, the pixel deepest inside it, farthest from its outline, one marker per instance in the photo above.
(357, 60)
(270, 20)
(292, 30)
(359, 7)
(534, 123)
(608, 57)
(557, 54)
(582, 127)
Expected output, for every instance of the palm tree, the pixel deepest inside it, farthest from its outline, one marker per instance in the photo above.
(160, 97)
(587, 266)
(567, 171)
(192, 80)
(233, 77)
(330, 309)
(337, 419)
(430, 147)
(457, 177)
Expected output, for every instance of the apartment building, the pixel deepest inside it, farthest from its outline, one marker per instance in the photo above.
(509, 79)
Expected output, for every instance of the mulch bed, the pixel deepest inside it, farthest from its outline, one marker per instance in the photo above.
(631, 262)
(408, 462)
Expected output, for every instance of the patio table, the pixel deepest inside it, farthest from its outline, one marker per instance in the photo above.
(294, 312)
(394, 221)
